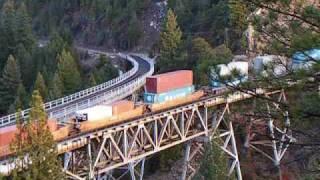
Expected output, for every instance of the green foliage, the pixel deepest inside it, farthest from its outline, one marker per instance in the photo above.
(20, 101)
(211, 20)
(68, 72)
(299, 29)
(214, 163)
(92, 80)
(100, 23)
(238, 14)
(10, 81)
(35, 141)
(40, 85)
(169, 156)
(170, 40)
(56, 87)
(209, 59)
(134, 32)
(27, 65)
(104, 71)
(15, 30)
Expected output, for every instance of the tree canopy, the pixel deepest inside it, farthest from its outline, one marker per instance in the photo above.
(35, 147)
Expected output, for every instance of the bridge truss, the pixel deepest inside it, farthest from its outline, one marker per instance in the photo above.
(121, 150)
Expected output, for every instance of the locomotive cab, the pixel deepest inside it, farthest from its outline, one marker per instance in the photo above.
(80, 118)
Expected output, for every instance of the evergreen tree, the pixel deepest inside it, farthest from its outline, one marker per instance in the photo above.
(92, 80)
(9, 83)
(40, 85)
(214, 163)
(238, 14)
(55, 87)
(68, 72)
(104, 71)
(170, 40)
(201, 49)
(35, 141)
(134, 31)
(20, 101)
(24, 28)
(26, 64)
(8, 28)
(219, 55)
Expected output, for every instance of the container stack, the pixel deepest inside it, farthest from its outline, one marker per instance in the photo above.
(168, 86)
(105, 111)
(226, 70)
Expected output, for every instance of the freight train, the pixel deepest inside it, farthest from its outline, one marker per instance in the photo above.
(162, 92)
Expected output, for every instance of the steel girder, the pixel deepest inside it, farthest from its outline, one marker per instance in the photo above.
(134, 141)
(274, 140)
(99, 153)
(221, 129)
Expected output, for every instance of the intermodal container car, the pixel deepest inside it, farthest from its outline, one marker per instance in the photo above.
(169, 81)
(95, 113)
(226, 70)
(152, 98)
(122, 106)
(306, 59)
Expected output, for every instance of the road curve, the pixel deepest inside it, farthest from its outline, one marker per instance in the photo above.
(143, 68)
(108, 92)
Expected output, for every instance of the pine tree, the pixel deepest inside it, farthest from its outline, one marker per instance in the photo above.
(10, 81)
(26, 64)
(55, 87)
(7, 30)
(40, 85)
(24, 28)
(214, 163)
(238, 15)
(20, 101)
(92, 80)
(134, 31)
(68, 72)
(36, 142)
(170, 40)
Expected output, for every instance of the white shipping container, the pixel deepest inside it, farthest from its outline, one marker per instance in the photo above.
(223, 70)
(275, 64)
(242, 67)
(97, 112)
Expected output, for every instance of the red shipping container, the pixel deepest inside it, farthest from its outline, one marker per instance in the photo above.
(169, 81)
(122, 106)
(52, 125)
(7, 135)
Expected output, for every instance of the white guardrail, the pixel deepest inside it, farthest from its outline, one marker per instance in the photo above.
(107, 97)
(10, 119)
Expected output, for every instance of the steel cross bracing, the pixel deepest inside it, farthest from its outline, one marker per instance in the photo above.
(97, 155)
(274, 143)
(103, 151)
(74, 102)
(221, 129)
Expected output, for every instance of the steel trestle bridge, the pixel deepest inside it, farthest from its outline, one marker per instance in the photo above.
(103, 153)
(96, 155)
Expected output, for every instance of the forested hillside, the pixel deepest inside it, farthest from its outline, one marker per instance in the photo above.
(54, 69)
(39, 53)
(96, 22)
